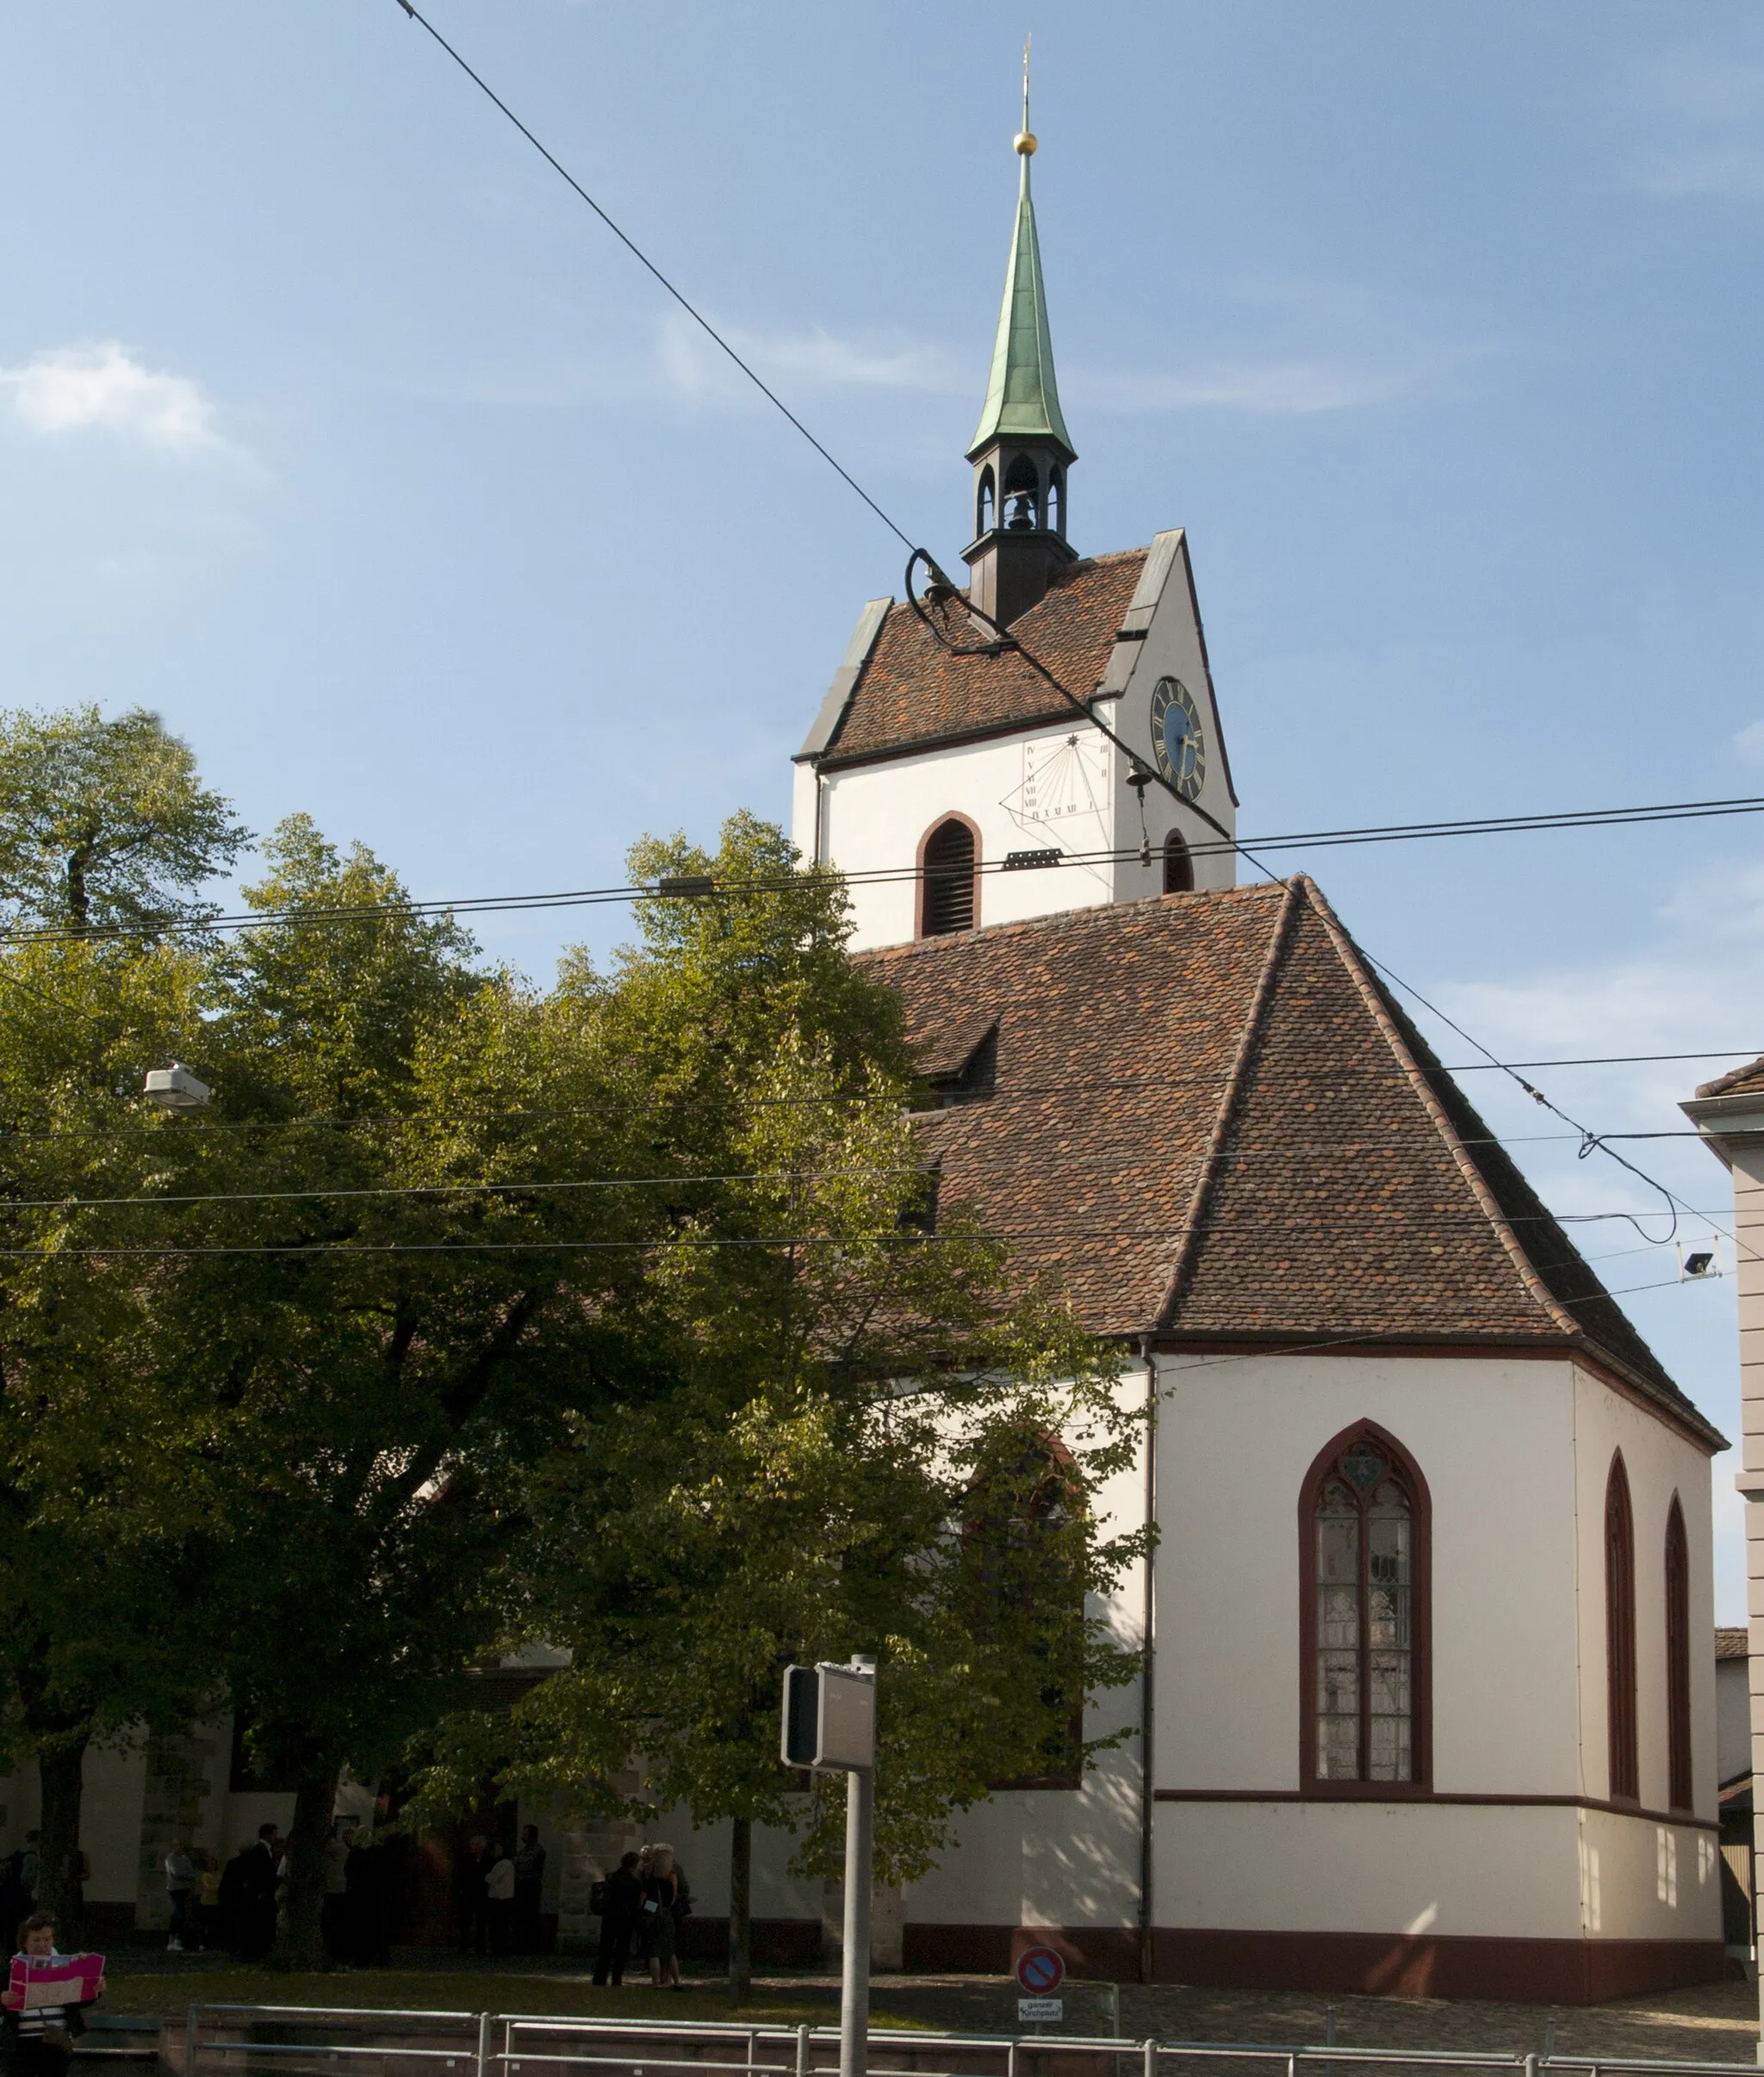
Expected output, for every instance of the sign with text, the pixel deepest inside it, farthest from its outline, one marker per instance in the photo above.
(66, 1980)
(1037, 2011)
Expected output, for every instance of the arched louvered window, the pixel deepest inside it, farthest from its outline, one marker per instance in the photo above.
(1620, 1633)
(1681, 1787)
(1363, 1526)
(947, 903)
(1178, 865)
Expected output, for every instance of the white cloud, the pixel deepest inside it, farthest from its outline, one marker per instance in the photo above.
(77, 388)
(1311, 347)
(1749, 742)
(812, 359)
(1699, 116)
(1288, 388)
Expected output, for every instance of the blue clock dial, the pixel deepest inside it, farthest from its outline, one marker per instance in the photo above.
(1177, 738)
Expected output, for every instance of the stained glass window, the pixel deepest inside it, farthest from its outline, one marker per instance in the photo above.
(1365, 1628)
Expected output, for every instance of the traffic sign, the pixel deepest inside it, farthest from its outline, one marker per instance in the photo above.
(1040, 2012)
(1039, 1970)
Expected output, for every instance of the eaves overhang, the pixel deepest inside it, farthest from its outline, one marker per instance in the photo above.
(1677, 1413)
(1728, 1122)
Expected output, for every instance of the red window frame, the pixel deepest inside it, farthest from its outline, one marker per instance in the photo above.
(1680, 1774)
(1625, 1782)
(1421, 1621)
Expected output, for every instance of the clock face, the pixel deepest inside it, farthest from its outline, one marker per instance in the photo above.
(1176, 738)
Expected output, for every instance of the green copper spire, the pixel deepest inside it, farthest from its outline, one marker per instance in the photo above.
(1022, 400)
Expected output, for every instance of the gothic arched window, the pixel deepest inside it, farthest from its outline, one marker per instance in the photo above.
(1023, 1551)
(1620, 1634)
(950, 855)
(984, 503)
(1178, 865)
(1681, 1784)
(1364, 1521)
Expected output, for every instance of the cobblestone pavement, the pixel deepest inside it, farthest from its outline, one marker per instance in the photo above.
(1713, 2022)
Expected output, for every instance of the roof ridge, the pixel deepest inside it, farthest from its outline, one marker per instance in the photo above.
(1734, 1080)
(1354, 962)
(1212, 1160)
(1259, 890)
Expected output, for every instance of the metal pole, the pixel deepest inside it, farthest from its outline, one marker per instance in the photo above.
(189, 2043)
(801, 2052)
(854, 1989)
(483, 2044)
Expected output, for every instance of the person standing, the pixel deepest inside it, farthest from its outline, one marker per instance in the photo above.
(40, 2042)
(499, 1894)
(621, 1900)
(257, 1868)
(180, 1880)
(529, 1883)
(658, 1927)
(207, 1900)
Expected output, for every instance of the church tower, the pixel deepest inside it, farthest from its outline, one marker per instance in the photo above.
(943, 776)
(1021, 450)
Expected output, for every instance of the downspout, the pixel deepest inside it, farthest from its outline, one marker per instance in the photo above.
(1147, 1687)
(820, 793)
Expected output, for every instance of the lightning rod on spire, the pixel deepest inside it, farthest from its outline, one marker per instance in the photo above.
(1024, 141)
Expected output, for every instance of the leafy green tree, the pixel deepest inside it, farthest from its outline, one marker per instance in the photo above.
(856, 1446)
(390, 1294)
(105, 823)
(95, 1597)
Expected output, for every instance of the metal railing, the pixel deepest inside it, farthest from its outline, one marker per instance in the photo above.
(312, 2041)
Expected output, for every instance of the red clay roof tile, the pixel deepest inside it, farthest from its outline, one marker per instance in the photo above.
(1210, 1121)
(1737, 1081)
(913, 691)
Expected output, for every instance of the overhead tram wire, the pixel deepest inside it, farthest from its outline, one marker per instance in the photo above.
(1017, 1094)
(1082, 707)
(713, 885)
(494, 1185)
(644, 259)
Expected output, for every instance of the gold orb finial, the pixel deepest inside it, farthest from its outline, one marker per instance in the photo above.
(1024, 142)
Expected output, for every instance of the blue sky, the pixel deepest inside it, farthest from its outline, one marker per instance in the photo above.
(332, 426)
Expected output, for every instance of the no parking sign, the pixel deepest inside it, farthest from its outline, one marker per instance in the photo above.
(1039, 1971)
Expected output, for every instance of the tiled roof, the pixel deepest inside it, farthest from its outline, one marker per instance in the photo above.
(914, 691)
(1210, 1121)
(1737, 1081)
(1732, 1644)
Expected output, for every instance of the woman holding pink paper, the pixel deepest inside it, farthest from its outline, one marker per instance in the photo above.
(40, 2008)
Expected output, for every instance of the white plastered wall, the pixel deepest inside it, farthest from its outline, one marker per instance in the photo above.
(872, 818)
(1659, 1463)
(1238, 1438)
(1504, 1445)
(1040, 1857)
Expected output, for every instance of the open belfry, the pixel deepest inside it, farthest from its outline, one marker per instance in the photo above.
(1419, 1708)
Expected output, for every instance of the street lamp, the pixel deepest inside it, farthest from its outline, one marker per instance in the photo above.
(175, 1088)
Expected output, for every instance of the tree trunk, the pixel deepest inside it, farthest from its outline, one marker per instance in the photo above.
(741, 1908)
(60, 1767)
(301, 1942)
